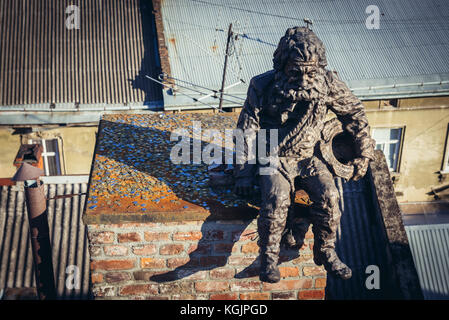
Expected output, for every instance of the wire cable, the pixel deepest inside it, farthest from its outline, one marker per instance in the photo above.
(193, 98)
(164, 75)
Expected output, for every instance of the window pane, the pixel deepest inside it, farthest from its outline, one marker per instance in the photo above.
(53, 169)
(395, 134)
(392, 156)
(381, 135)
(380, 147)
(51, 145)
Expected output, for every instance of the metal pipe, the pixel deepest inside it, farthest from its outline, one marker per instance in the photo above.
(39, 230)
(40, 239)
(220, 105)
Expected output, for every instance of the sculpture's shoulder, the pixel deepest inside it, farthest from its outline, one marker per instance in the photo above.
(335, 84)
(261, 81)
(331, 77)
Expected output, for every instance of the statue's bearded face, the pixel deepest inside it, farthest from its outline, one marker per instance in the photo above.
(302, 74)
(297, 81)
(299, 61)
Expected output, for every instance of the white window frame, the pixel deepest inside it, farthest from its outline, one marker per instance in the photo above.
(399, 142)
(46, 154)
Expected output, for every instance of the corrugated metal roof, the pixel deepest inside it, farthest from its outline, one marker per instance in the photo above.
(407, 56)
(430, 250)
(101, 63)
(68, 238)
(360, 243)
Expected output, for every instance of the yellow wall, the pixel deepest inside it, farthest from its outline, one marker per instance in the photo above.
(79, 145)
(422, 149)
(77, 148)
(9, 146)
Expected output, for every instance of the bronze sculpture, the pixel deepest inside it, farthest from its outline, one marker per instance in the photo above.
(294, 98)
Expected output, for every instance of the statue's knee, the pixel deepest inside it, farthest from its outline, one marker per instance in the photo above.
(329, 200)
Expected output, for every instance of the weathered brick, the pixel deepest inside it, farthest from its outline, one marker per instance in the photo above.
(311, 294)
(157, 298)
(146, 275)
(177, 262)
(242, 261)
(287, 272)
(102, 291)
(303, 258)
(152, 263)
(225, 248)
(112, 264)
(117, 276)
(156, 236)
(183, 297)
(182, 223)
(115, 250)
(188, 275)
(176, 287)
(248, 272)
(213, 261)
(128, 237)
(245, 286)
(171, 249)
(133, 225)
(199, 248)
(255, 296)
(164, 276)
(211, 286)
(96, 278)
(289, 295)
(222, 273)
(202, 296)
(224, 296)
(136, 289)
(101, 237)
(184, 236)
(145, 250)
(288, 285)
(95, 251)
(213, 235)
(250, 247)
(320, 283)
(249, 234)
(313, 271)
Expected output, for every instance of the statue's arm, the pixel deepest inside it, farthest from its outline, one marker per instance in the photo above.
(248, 121)
(351, 112)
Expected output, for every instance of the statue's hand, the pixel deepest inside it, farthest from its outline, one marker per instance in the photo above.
(360, 167)
(244, 187)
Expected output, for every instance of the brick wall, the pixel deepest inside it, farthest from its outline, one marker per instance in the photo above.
(194, 260)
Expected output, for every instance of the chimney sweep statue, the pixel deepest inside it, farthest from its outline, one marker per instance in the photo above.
(294, 98)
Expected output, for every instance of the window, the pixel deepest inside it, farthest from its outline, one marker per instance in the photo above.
(389, 141)
(50, 155)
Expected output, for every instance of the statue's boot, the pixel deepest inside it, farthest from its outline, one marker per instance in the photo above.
(275, 193)
(289, 240)
(269, 271)
(332, 264)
